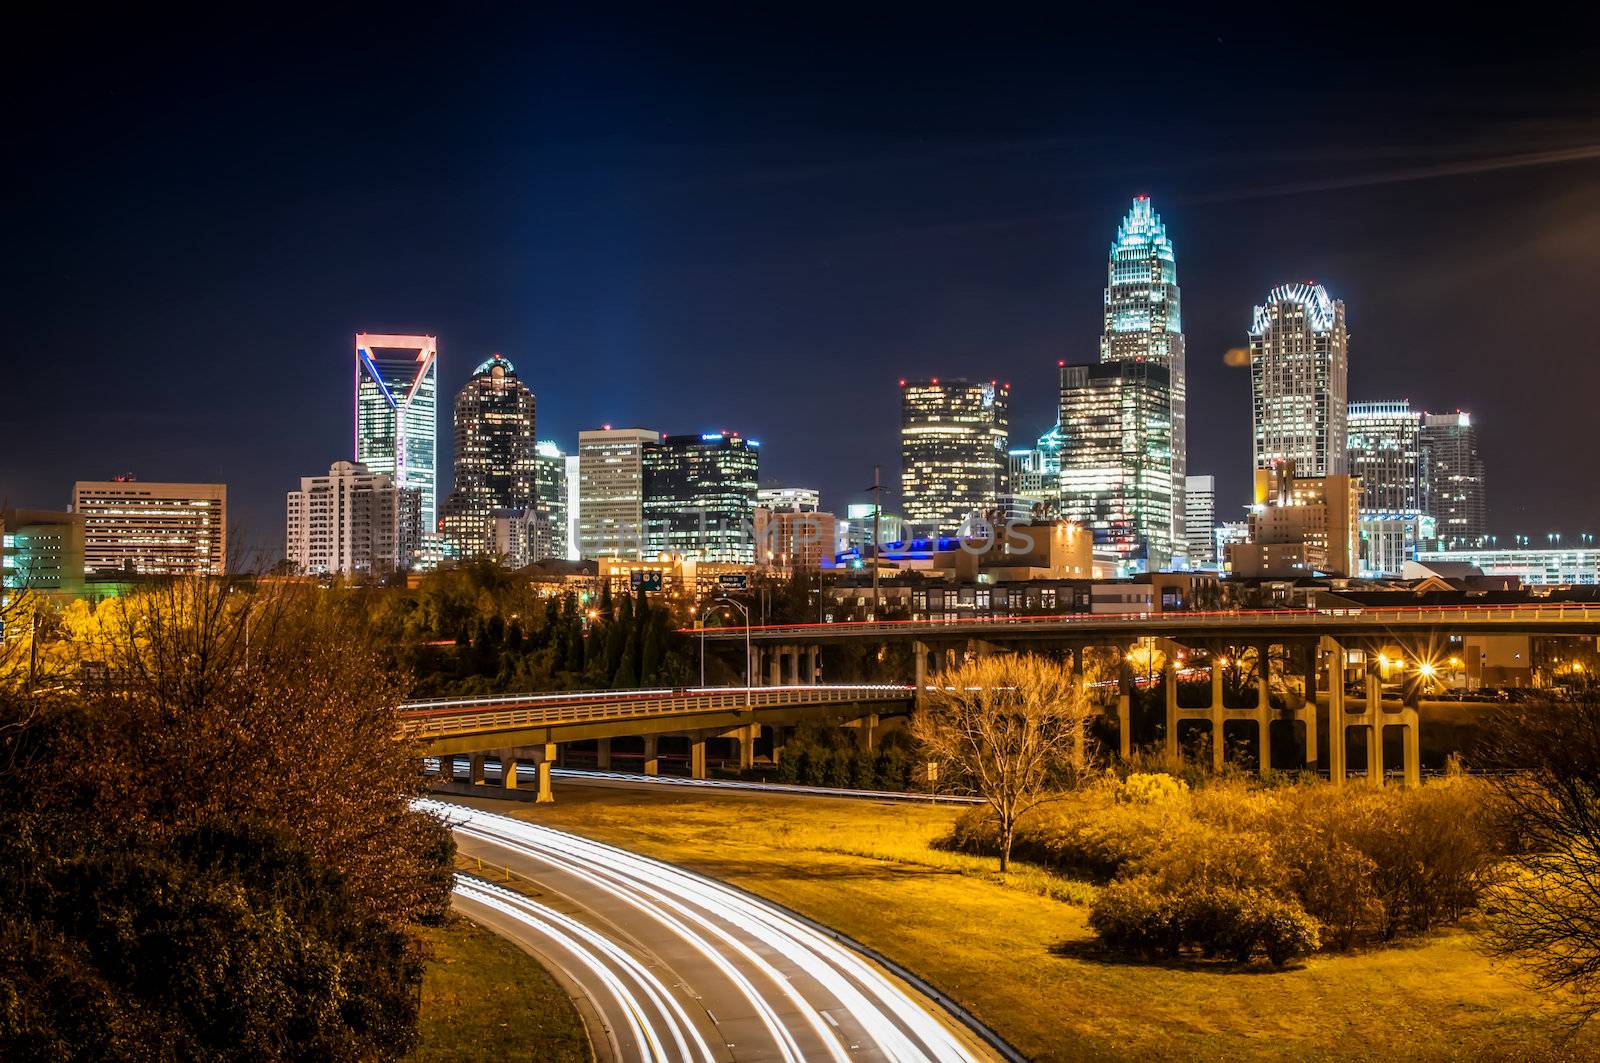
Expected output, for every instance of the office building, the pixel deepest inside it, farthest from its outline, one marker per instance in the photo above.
(1116, 469)
(40, 551)
(1385, 457)
(953, 443)
(611, 492)
(700, 496)
(1298, 380)
(1300, 526)
(856, 534)
(1200, 520)
(156, 529)
(496, 464)
(1544, 567)
(790, 540)
(550, 524)
(397, 413)
(351, 522)
(1453, 472)
(1144, 323)
(789, 499)
(574, 504)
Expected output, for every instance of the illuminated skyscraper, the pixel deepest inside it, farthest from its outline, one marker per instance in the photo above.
(700, 496)
(156, 529)
(397, 413)
(550, 536)
(1144, 323)
(611, 492)
(1298, 374)
(953, 459)
(348, 522)
(1116, 467)
(1453, 473)
(1200, 520)
(495, 456)
(1386, 458)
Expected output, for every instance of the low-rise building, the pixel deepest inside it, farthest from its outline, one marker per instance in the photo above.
(156, 529)
(1300, 525)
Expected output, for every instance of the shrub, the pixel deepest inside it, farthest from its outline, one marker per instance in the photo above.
(1141, 916)
(1131, 916)
(1144, 788)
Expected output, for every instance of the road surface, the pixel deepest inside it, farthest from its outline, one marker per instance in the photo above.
(675, 966)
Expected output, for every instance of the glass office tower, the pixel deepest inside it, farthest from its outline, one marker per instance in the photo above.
(397, 413)
(953, 454)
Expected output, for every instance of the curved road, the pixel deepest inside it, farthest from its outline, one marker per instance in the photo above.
(680, 967)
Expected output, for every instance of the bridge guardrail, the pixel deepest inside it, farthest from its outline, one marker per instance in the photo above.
(421, 720)
(1334, 618)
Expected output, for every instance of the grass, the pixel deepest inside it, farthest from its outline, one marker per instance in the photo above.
(1020, 955)
(485, 999)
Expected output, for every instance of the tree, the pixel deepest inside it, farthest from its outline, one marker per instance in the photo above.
(1008, 728)
(1548, 913)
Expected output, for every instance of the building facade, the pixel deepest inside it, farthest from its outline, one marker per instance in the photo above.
(1200, 520)
(157, 529)
(611, 492)
(1575, 566)
(953, 443)
(790, 540)
(789, 499)
(41, 551)
(1454, 479)
(351, 522)
(397, 408)
(1300, 526)
(550, 526)
(1385, 456)
(1144, 323)
(700, 496)
(1116, 469)
(496, 457)
(1299, 374)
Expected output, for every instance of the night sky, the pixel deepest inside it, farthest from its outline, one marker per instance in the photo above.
(739, 222)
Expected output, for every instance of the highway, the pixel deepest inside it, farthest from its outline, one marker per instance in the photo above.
(675, 966)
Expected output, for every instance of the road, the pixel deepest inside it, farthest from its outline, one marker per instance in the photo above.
(675, 966)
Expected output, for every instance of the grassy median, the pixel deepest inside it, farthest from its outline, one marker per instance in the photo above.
(485, 999)
(1020, 955)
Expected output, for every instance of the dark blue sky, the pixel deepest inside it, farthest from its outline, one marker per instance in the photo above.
(761, 225)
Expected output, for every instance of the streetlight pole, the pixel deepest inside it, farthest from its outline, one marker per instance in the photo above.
(749, 679)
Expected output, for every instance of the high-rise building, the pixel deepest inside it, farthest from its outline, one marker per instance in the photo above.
(1453, 472)
(789, 499)
(1298, 379)
(397, 413)
(1200, 520)
(160, 529)
(40, 551)
(856, 533)
(1385, 455)
(496, 461)
(792, 540)
(611, 492)
(700, 496)
(1144, 323)
(351, 522)
(550, 526)
(1300, 525)
(953, 439)
(1035, 474)
(1116, 469)
(574, 505)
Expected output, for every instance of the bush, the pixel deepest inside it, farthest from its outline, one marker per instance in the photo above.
(1140, 916)
(1131, 916)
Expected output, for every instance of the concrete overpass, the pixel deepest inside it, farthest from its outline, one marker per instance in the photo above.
(1320, 653)
(531, 728)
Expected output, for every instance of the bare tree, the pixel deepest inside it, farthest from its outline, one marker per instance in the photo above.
(1547, 914)
(1009, 729)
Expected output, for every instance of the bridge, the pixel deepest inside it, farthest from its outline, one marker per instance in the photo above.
(532, 728)
(1312, 657)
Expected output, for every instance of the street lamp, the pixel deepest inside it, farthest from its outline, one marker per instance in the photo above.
(748, 678)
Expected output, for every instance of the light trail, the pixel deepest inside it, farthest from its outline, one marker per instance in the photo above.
(814, 997)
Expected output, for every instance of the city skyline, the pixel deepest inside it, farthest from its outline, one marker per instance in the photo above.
(959, 245)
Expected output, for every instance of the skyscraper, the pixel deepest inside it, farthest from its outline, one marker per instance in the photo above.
(1144, 323)
(952, 451)
(699, 496)
(350, 522)
(1454, 477)
(1298, 372)
(397, 412)
(550, 536)
(611, 492)
(1116, 469)
(1200, 520)
(496, 467)
(1385, 453)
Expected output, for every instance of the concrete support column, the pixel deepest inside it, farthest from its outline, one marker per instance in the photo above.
(1308, 711)
(1336, 746)
(794, 665)
(1169, 678)
(919, 650)
(546, 760)
(747, 746)
(1375, 730)
(1219, 751)
(475, 768)
(697, 757)
(755, 665)
(867, 732)
(814, 665)
(1413, 752)
(775, 666)
(508, 768)
(652, 766)
(1124, 703)
(1264, 707)
(602, 754)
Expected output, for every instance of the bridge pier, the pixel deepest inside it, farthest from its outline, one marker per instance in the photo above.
(602, 754)
(1124, 702)
(1374, 718)
(1263, 708)
(508, 768)
(697, 757)
(475, 768)
(1336, 710)
(652, 765)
